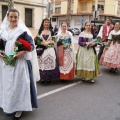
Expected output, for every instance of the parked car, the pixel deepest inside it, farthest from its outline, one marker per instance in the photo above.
(76, 31)
(71, 31)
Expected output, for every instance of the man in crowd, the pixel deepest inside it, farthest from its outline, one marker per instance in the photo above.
(104, 33)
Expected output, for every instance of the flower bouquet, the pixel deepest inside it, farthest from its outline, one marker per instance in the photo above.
(40, 44)
(38, 40)
(52, 41)
(5, 57)
(39, 47)
(98, 41)
(65, 42)
(20, 45)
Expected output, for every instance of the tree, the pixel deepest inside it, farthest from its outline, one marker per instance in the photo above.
(68, 16)
(10, 4)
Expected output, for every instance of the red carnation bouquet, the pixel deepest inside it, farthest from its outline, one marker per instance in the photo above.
(20, 45)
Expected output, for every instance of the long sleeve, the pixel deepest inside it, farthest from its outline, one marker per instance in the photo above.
(110, 36)
(81, 41)
(72, 43)
(100, 32)
(27, 38)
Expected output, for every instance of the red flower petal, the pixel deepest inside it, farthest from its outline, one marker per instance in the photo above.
(26, 44)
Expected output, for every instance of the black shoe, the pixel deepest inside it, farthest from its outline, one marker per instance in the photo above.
(48, 81)
(116, 70)
(111, 69)
(42, 81)
(18, 115)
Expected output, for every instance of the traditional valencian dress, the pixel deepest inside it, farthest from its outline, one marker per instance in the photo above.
(111, 56)
(86, 59)
(17, 88)
(48, 65)
(66, 55)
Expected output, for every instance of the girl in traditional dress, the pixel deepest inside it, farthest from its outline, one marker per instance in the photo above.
(17, 89)
(65, 50)
(86, 59)
(48, 65)
(111, 55)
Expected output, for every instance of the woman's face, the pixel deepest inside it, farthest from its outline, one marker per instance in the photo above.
(64, 27)
(88, 26)
(46, 24)
(13, 18)
(117, 26)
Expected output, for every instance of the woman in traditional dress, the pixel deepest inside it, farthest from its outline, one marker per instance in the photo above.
(65, 50)
(17, 88)
(48, 65)
(111, 54)
(86, 59)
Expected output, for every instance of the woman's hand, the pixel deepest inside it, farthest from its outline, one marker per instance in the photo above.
(45, 43)
(90, 44)
(19, 54)
(51, 42)
(1, 56)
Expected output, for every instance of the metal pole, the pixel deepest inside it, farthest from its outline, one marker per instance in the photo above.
(95, 17)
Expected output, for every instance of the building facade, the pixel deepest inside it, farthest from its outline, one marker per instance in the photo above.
(31, 12)
(82, 11)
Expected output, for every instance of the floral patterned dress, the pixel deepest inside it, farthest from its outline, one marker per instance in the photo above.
(111, 56)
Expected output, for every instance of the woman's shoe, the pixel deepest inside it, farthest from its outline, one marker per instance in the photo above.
(17, 115)
(48, 81)
(116, 70)
(42, 81)
(112, 70)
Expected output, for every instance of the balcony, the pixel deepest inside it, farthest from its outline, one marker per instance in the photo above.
(82, 11)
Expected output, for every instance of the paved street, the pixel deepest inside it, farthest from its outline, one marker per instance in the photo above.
(76, 100)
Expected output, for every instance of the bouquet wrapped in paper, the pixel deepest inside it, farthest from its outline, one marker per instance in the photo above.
(65, 42)
(39, 41)
(5, 57)
(98, 41)
(20, 45)
(40, 44)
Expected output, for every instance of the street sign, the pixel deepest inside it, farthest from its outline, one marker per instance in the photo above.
(95, 14)
(49, 9)
(82, 20)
